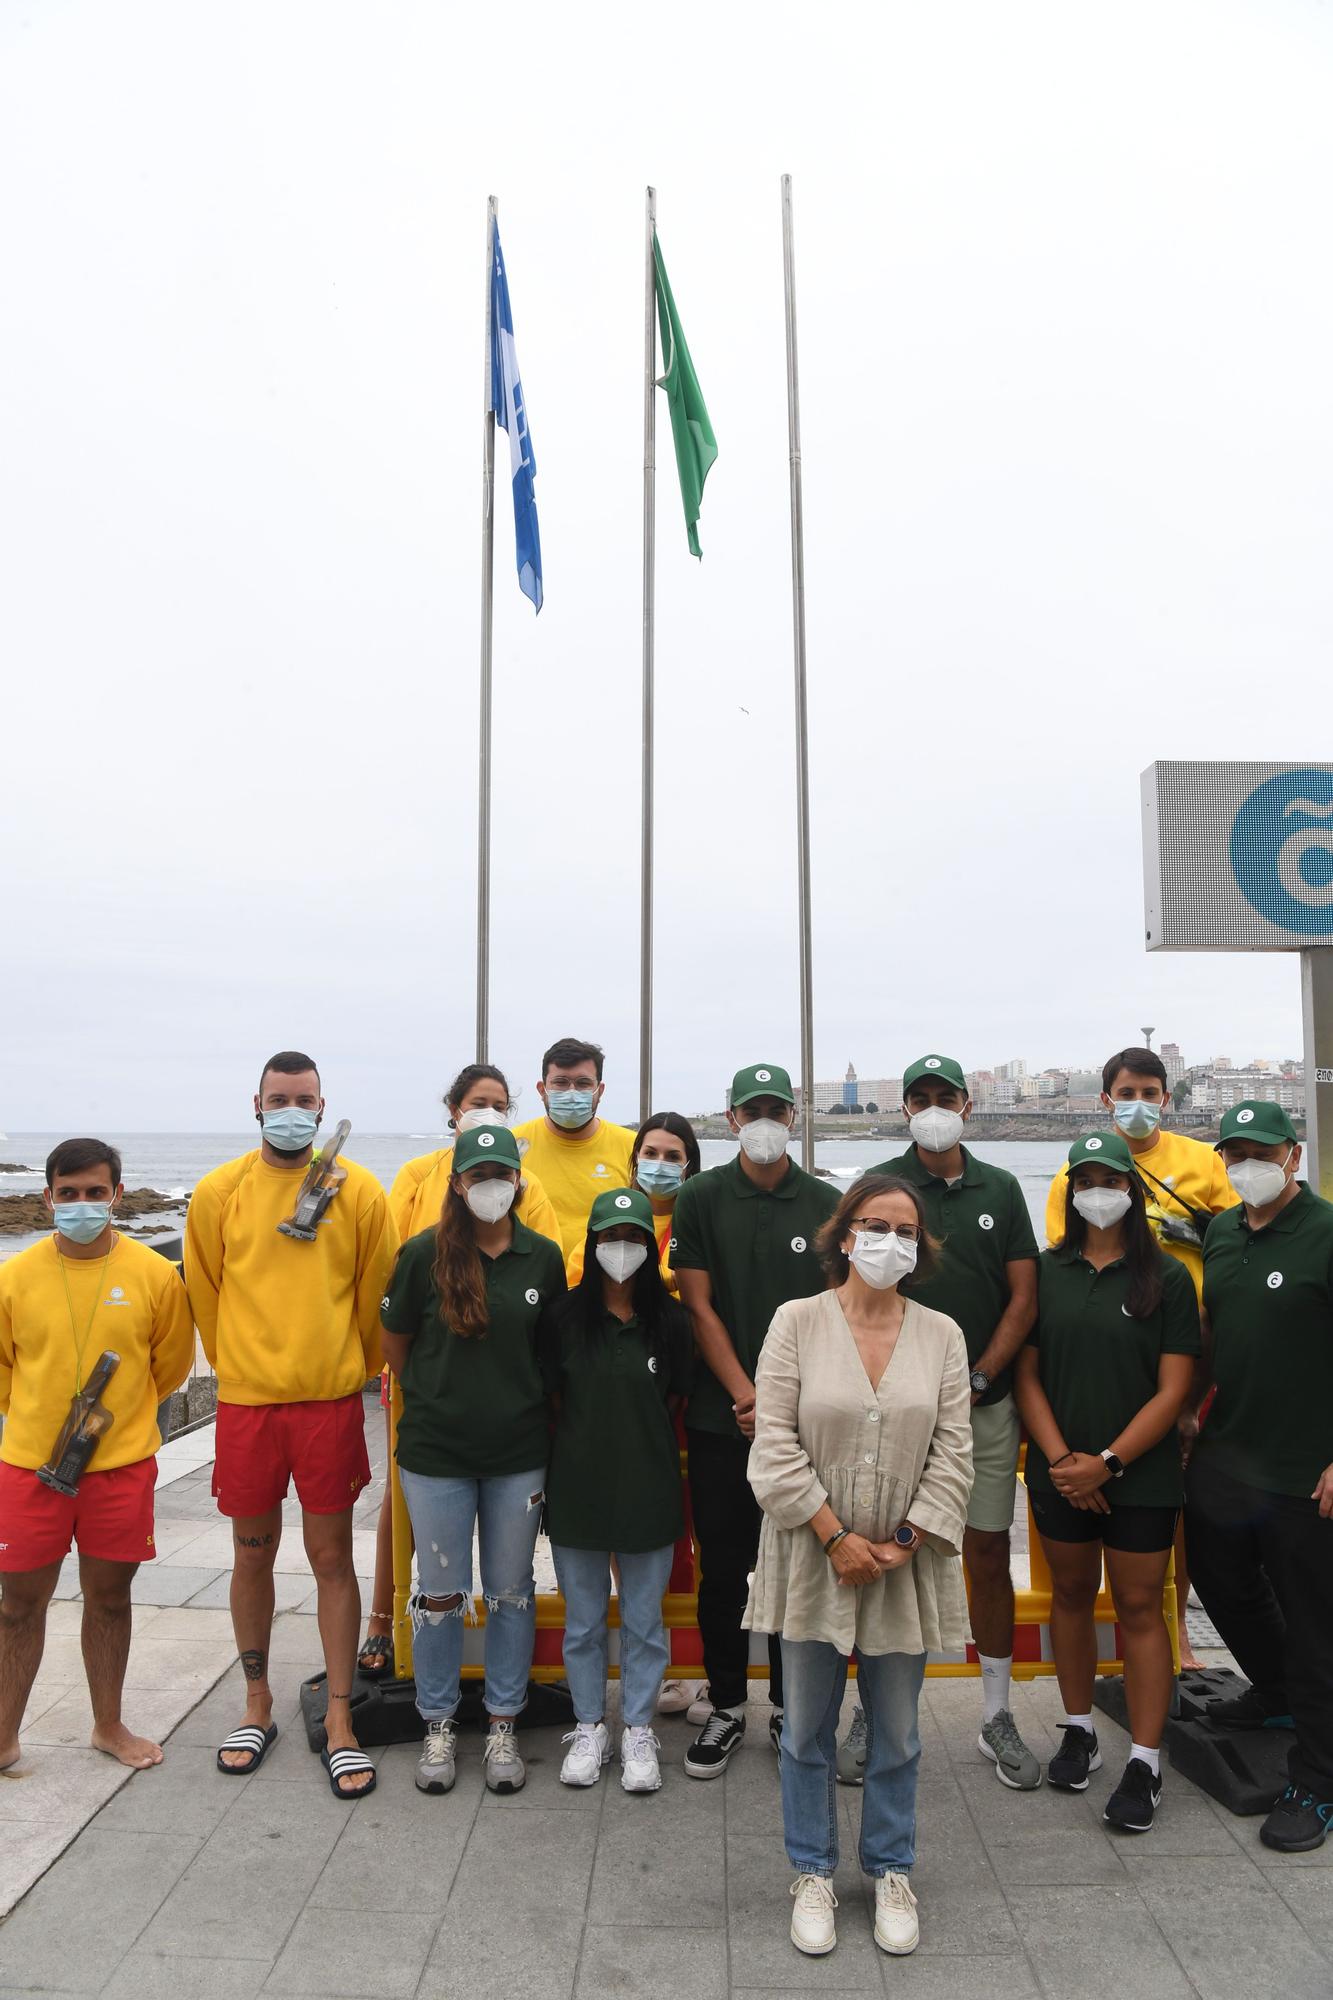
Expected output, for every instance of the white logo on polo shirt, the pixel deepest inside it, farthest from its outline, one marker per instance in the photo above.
(763, 1076)
(672, 1244)
(652, 1364)
(532, 1295)
(116, 1297)
(384, 1304)
(623, 1201)
(601, 1168)
(1092, 1145)
(798, 1243)
(1244, 1117)
(1274, 1280)
(985, 1222)
(485, 1138)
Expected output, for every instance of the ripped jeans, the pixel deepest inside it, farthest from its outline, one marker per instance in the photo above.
(507, 1511)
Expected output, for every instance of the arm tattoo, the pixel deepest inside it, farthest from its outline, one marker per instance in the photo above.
(254, 1661)
(254, 1541)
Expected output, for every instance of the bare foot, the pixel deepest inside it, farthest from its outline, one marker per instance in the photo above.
(126, 1748)
(1188, 1662)
(258, 1715)
(9, 1755)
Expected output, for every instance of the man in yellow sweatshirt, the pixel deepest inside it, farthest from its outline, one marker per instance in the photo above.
(81, 1292)
(575, 1154)
(292, 1329)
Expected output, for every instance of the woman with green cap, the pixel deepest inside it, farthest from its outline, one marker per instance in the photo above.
(1100, 1384)
(461, 1323)
(617, 1365)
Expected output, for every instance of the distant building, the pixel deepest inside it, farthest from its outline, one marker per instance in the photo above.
(1172, 1063)
(849, 1096)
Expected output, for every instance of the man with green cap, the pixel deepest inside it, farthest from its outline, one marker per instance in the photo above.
(1259, 1487)
(744, 1244)
(987, 1282)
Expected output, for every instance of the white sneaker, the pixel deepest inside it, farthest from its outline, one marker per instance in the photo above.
(812, 1927)
(589, 1747)
(436, 1769)
(701, 1705)
(896, 1927)
(639, 1770)
(675, 1697)
(504, 1766)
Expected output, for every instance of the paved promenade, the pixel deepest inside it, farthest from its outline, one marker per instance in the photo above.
(183, 1882)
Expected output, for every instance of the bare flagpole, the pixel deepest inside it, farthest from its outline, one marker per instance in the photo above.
(798, 655)
(484, 725)
(649, 608)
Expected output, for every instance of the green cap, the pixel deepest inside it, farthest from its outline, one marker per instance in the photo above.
(622, 1205)
(762, 1080)
(944, 1067)
(1266, 1124)
(1102, 1149)
(485, 1146)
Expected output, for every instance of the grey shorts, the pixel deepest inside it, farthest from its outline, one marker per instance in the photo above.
(994, 1466)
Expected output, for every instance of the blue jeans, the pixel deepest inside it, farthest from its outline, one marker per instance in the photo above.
(585, 1582)
(509, 1511)
(814, 1677)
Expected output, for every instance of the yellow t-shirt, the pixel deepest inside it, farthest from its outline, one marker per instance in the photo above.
(665, 1244)
(419, 1188)
(1189, 1167)
(134, 1304)
(284, 1321)
(574, 1170)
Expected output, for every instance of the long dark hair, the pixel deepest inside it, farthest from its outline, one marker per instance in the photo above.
(679, 1128)
(457, 1271)
(652, 1302)
(1143, 1256)
(475, 1073)
(828, 1243)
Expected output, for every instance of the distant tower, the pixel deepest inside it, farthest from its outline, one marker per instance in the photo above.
(1147, 1034)
(849, 1088)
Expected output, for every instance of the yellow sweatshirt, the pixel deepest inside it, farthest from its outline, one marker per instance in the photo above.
(280, 1320)
(134, 1303)
(574, 1170)
(419, 1188)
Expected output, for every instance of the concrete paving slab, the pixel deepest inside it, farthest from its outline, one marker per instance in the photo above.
(1309, 1895)
(634, 1960)
(1231, 1934)
(347, 1953)
(923, 1977)
(1098, 1940)
(72, 1929)
(631, 1884)
(147, 1975)
(214, 1593)
(377, 1863)
(550, 1853)
(184, 1795)
(758, 1884)
(172, 1583)
(51, 1784)
(532, 1954)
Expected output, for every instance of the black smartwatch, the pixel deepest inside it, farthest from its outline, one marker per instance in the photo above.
(905, 1537)
(1113, 1465)
(979, 1380)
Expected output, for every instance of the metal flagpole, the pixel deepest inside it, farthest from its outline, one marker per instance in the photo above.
(649, 593)
(484, 725)
(798, 654)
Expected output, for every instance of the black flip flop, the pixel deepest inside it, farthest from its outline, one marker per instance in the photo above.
(254, 1741)
(344, 1764)
(379, 1647)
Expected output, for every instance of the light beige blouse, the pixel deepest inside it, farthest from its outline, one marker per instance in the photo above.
(879, 1457)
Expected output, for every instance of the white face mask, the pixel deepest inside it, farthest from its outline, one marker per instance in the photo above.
(883, 1261)
(764, 1141)
(485, 1114)
(490, 1200)
(1102, 1207)
(1258, 1182)
(621, 1260)
(936, 1130)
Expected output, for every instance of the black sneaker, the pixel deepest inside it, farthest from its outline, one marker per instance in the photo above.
(1135, 1799)
(714, 1746)
(1245, 1711)
(1298, 1822)
(775, 1729)
(1077, 1756)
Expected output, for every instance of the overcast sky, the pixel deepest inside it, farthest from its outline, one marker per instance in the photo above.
(1065, 319)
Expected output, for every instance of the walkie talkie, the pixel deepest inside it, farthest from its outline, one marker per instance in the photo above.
(323, 1179)
(87, 1424)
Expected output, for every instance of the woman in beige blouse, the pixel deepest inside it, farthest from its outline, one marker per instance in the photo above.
(862, 1463)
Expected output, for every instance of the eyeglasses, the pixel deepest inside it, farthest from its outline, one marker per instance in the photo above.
(871, 1226)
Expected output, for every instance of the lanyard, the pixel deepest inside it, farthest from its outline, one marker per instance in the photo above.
(80, 1345)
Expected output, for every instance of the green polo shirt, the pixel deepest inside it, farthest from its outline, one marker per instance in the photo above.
(474, 1407)
(1098, 1366)
(984, 1223)
(614, 1477)
(758, 1248)
(1269, 1299)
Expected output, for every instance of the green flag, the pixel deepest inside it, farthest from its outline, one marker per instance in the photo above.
(696, 447)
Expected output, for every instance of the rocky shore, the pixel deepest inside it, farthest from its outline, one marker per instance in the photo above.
(21, 1214)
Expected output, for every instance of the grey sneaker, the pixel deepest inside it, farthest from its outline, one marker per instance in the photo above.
(504, 1766)
(1014, 1763)
(852, 1750)
(435, 1766)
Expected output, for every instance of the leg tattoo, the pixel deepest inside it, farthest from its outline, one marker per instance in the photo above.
(254, 1661)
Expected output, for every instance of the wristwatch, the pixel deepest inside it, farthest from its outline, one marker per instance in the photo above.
(979, 1380)
(906, 1538)
(1113, 1465)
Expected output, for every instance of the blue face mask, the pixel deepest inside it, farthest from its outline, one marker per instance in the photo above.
(81, 1221)
(1136, 1118)
(570, 1108)
(289, 1130)
(659, 1176)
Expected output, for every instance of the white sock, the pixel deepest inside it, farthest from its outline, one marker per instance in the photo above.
(1152, 1758)
(994, 1684)
(1080, 1722)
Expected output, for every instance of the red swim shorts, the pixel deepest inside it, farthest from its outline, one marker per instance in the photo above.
(110, 1517)
(260, 1448)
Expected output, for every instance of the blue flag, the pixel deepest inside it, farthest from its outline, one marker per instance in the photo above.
(511, 414)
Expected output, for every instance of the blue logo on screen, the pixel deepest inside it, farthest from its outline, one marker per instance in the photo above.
(1282, 851)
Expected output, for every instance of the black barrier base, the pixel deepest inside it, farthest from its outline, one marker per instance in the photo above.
(385, 1711)
(1245, 1770)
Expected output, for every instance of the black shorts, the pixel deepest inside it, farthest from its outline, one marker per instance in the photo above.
(1136, 1531)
